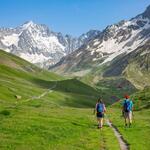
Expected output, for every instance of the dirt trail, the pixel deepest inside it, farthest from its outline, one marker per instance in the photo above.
(122, 143)
(41, 95)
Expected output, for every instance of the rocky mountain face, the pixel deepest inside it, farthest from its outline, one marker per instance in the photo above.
(140, 57)
(135, 66)
(114, 41)
(39, 45)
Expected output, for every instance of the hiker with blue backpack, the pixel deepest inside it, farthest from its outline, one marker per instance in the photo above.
(100, 109)
(127, 108)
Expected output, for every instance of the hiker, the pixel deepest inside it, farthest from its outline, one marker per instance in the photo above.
(127, 108)
(100, 109)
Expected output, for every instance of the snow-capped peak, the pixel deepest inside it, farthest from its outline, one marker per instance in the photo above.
(28, 24)
(117, 39)
(37, 44)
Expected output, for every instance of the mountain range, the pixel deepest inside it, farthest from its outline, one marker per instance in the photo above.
(98, 53)
(115, 43)
(38, 44)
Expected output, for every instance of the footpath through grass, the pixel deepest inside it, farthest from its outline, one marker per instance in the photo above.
(45, 126)
(138, 135)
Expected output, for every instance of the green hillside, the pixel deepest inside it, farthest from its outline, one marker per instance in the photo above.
(110, 88)
(142, 99)
(41, 110)
(18, 77)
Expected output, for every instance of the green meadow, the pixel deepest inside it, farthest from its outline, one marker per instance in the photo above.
(62, 118)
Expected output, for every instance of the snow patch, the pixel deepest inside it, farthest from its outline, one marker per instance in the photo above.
(96, 43)
(108, 46)
(27, 25)
(111, 46)
(46, 43)
(78, 54)
(34, 58)
(94, 59)
(10, 40)
(92, 52)
(7, 50)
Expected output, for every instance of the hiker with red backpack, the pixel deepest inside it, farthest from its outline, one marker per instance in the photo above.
(100, 109)
(127, 108)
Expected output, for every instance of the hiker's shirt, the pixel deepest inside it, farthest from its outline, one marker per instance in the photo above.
(104, 108)
(130, 104)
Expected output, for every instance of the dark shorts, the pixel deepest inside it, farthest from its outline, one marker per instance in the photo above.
(127, 114)
(100, 115)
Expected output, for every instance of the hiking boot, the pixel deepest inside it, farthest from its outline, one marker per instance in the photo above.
(99, 127)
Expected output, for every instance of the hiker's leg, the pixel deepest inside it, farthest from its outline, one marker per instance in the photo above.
(125, 118)
(125, 121)
(130, 118)
(101, 122)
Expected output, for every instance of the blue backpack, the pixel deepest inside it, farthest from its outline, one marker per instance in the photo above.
(127, 106)
(100, 107)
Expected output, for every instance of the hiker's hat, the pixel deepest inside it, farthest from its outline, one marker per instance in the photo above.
(127, 96)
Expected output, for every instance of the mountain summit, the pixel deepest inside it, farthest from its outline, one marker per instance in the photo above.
(38, 44)
(146, 14)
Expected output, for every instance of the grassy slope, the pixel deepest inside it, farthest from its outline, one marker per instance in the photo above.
(48, 122)
(137, 136)
(134, 74)
(111, 89)
(26, 80)
(39, 125)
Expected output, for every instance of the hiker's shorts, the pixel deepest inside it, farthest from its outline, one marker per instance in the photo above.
(100, 115)
(128, 115)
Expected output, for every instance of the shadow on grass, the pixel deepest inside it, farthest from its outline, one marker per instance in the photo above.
(70, 85)
(5, 113)
(77, 124)
(80, 94)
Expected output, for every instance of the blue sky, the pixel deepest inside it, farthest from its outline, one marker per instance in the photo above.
(69, 16)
